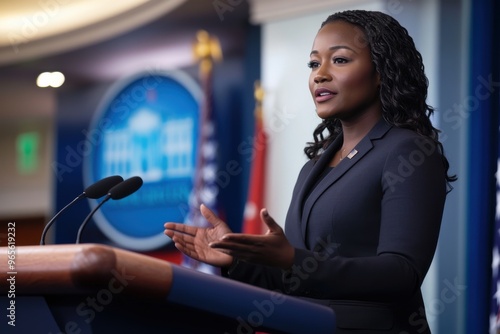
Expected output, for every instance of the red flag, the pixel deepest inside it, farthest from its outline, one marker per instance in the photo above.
(255, 200)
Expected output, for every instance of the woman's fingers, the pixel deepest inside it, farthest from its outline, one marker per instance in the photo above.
(237, 244)
(210, 216)
(269, 221)
(245, 239)
(172, 228)
(240, 251)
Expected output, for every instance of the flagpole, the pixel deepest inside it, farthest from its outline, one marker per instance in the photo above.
(206, 50)
(258, 94)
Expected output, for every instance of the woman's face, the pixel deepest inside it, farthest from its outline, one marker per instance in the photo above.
(343, 81)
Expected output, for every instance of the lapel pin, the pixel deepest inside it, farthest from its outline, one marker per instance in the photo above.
(352, 153)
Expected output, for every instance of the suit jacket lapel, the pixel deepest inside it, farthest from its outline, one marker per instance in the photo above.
(307, 197)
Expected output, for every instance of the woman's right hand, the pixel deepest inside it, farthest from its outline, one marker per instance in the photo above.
(194, 241)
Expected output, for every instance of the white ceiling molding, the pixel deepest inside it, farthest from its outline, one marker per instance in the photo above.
(264, 11)
(35, 35)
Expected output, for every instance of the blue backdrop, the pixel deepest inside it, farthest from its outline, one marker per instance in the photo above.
(233, 84)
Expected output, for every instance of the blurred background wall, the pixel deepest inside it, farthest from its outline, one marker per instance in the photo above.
(260, 40)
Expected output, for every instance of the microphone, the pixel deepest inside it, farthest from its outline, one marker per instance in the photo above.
(94, 191)
(119, 191)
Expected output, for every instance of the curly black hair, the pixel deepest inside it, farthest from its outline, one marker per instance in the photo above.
(403, 84)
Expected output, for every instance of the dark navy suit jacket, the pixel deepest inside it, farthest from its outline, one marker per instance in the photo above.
(365, 234)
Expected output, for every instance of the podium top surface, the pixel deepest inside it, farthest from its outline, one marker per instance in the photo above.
(62, 269)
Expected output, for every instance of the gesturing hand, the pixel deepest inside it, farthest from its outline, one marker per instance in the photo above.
(271, 249)
(194, 241)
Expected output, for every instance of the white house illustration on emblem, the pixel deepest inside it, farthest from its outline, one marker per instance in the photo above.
(148, 147)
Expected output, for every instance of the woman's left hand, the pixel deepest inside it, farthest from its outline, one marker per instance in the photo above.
(271, 248)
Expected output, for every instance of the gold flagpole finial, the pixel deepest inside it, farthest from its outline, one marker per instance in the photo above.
(207, 50)
(258, 94)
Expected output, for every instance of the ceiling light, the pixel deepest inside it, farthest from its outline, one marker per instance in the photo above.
(52, 79)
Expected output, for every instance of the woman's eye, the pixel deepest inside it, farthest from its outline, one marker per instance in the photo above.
(339, 60)
(313, 64)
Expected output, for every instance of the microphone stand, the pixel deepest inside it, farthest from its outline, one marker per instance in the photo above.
(46, 228)
(80, 230)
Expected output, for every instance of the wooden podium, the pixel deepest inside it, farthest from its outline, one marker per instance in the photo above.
(92, 288)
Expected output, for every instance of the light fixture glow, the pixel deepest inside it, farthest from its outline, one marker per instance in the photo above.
(43, 79)
(57, 79)
(52, 79)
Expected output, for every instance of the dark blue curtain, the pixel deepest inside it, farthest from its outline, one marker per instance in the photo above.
(482, 109)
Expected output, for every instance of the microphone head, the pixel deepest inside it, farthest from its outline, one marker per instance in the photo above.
(102, 187)
(125, 188)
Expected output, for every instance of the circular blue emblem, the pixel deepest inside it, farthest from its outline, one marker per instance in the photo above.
(147, 126)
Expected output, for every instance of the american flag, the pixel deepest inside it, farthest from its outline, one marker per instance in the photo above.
(495, 265)
(205, 188)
